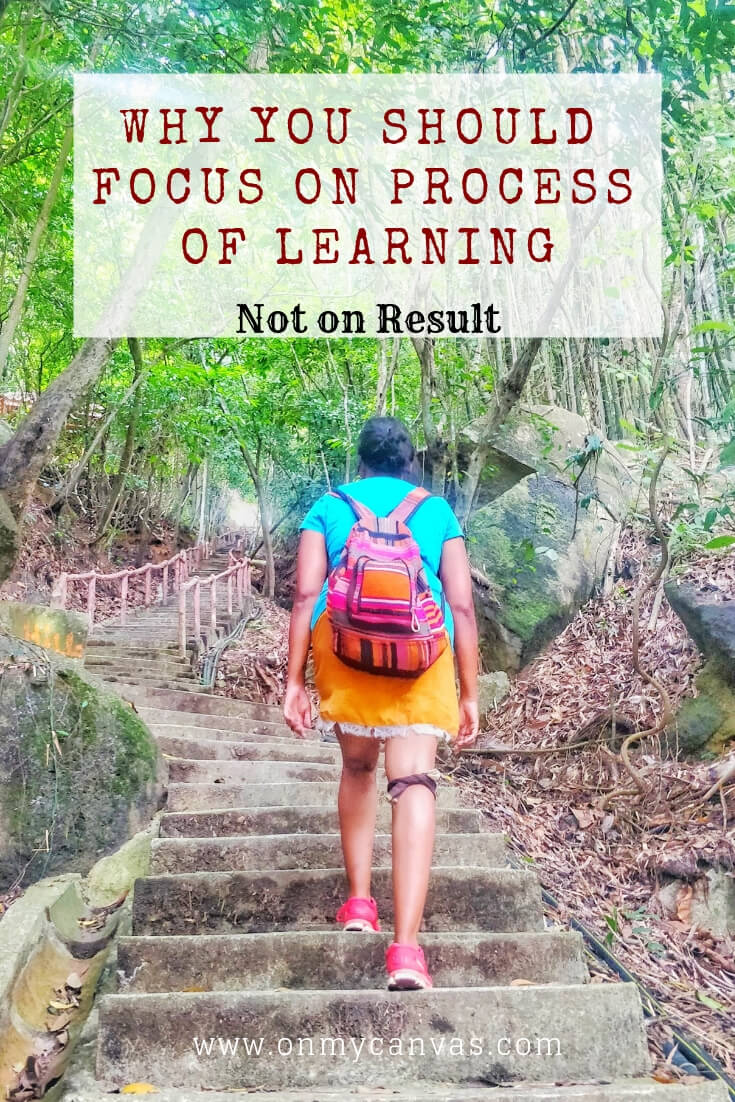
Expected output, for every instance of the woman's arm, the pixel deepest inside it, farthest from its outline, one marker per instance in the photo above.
(454, 573)
(311, 570)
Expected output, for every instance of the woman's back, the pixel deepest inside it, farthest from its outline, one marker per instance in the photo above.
(432, 524)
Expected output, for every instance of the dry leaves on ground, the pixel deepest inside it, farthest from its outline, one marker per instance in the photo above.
(606, 866)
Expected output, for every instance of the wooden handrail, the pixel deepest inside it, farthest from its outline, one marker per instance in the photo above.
(174, 574)
(239, 588)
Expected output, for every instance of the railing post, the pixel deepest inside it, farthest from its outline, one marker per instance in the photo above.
(197, 611)
(59, 592)
(91, 599)
(148, 585)
(229, 594)
(164, 585)
(123, 598)
(213, 607)
(182, 622)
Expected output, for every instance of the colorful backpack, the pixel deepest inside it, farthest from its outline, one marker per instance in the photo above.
(384, 617)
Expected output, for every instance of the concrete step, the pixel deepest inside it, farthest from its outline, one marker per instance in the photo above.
(219, 726)
(136, 633)
(205, 749)
(153, 664)
(573, 1033)
(147, 675)
(143, 682)
(206, 704)
(218, 797)
(308, 819)
(307, 851)
(112, 653)
(104, 644)
(622, 1090)
(194, 771)
(501, 900)
(140, 637)
(328, 961)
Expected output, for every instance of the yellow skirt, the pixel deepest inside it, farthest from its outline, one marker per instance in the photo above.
(370, 704)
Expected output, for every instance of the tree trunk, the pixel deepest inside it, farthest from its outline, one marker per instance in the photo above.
(591, 380)
(269, 586)
(386, 371)
(127, 453)
(436, 447)
(13, 96)
(185, 492)
(100, 435)
(269, 583)
(203, 504)
(16, 307)
(23, 457)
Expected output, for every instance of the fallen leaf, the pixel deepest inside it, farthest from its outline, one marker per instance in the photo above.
(584, 816)
(139, 1088)
(684, 904)
(707, 1000)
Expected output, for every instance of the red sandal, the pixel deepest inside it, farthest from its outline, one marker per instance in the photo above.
(359, 914)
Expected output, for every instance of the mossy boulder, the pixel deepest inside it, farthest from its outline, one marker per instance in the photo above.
(706, 722)
(78, 769)
(541, 531)
(542, 556)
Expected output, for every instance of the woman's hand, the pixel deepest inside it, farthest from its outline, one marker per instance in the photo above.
(297, 708)
(469, 723)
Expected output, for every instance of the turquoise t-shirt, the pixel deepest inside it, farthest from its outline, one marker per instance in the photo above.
(432, 524)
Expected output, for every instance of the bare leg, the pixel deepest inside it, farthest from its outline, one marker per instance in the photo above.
(413, 832)
(357, 804)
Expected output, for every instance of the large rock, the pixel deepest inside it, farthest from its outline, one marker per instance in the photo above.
(9, 539)
(706, 721)
(78, 769)
(9, 531)
(539, 568)
(540, 439)
(491, 689)
(541, 541)
(711, 623)
(55, 629)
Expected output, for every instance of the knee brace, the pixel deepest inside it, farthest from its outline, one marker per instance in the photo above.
(397, 787)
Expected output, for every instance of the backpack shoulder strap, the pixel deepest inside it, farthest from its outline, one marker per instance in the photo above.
(413, 500)
(361, 511)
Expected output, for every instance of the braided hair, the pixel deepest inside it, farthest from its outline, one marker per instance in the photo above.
(385, 446)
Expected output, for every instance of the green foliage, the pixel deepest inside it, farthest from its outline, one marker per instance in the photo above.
(297, 405)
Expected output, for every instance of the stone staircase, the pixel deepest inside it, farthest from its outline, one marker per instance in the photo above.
(236, 981)
(144, 651)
